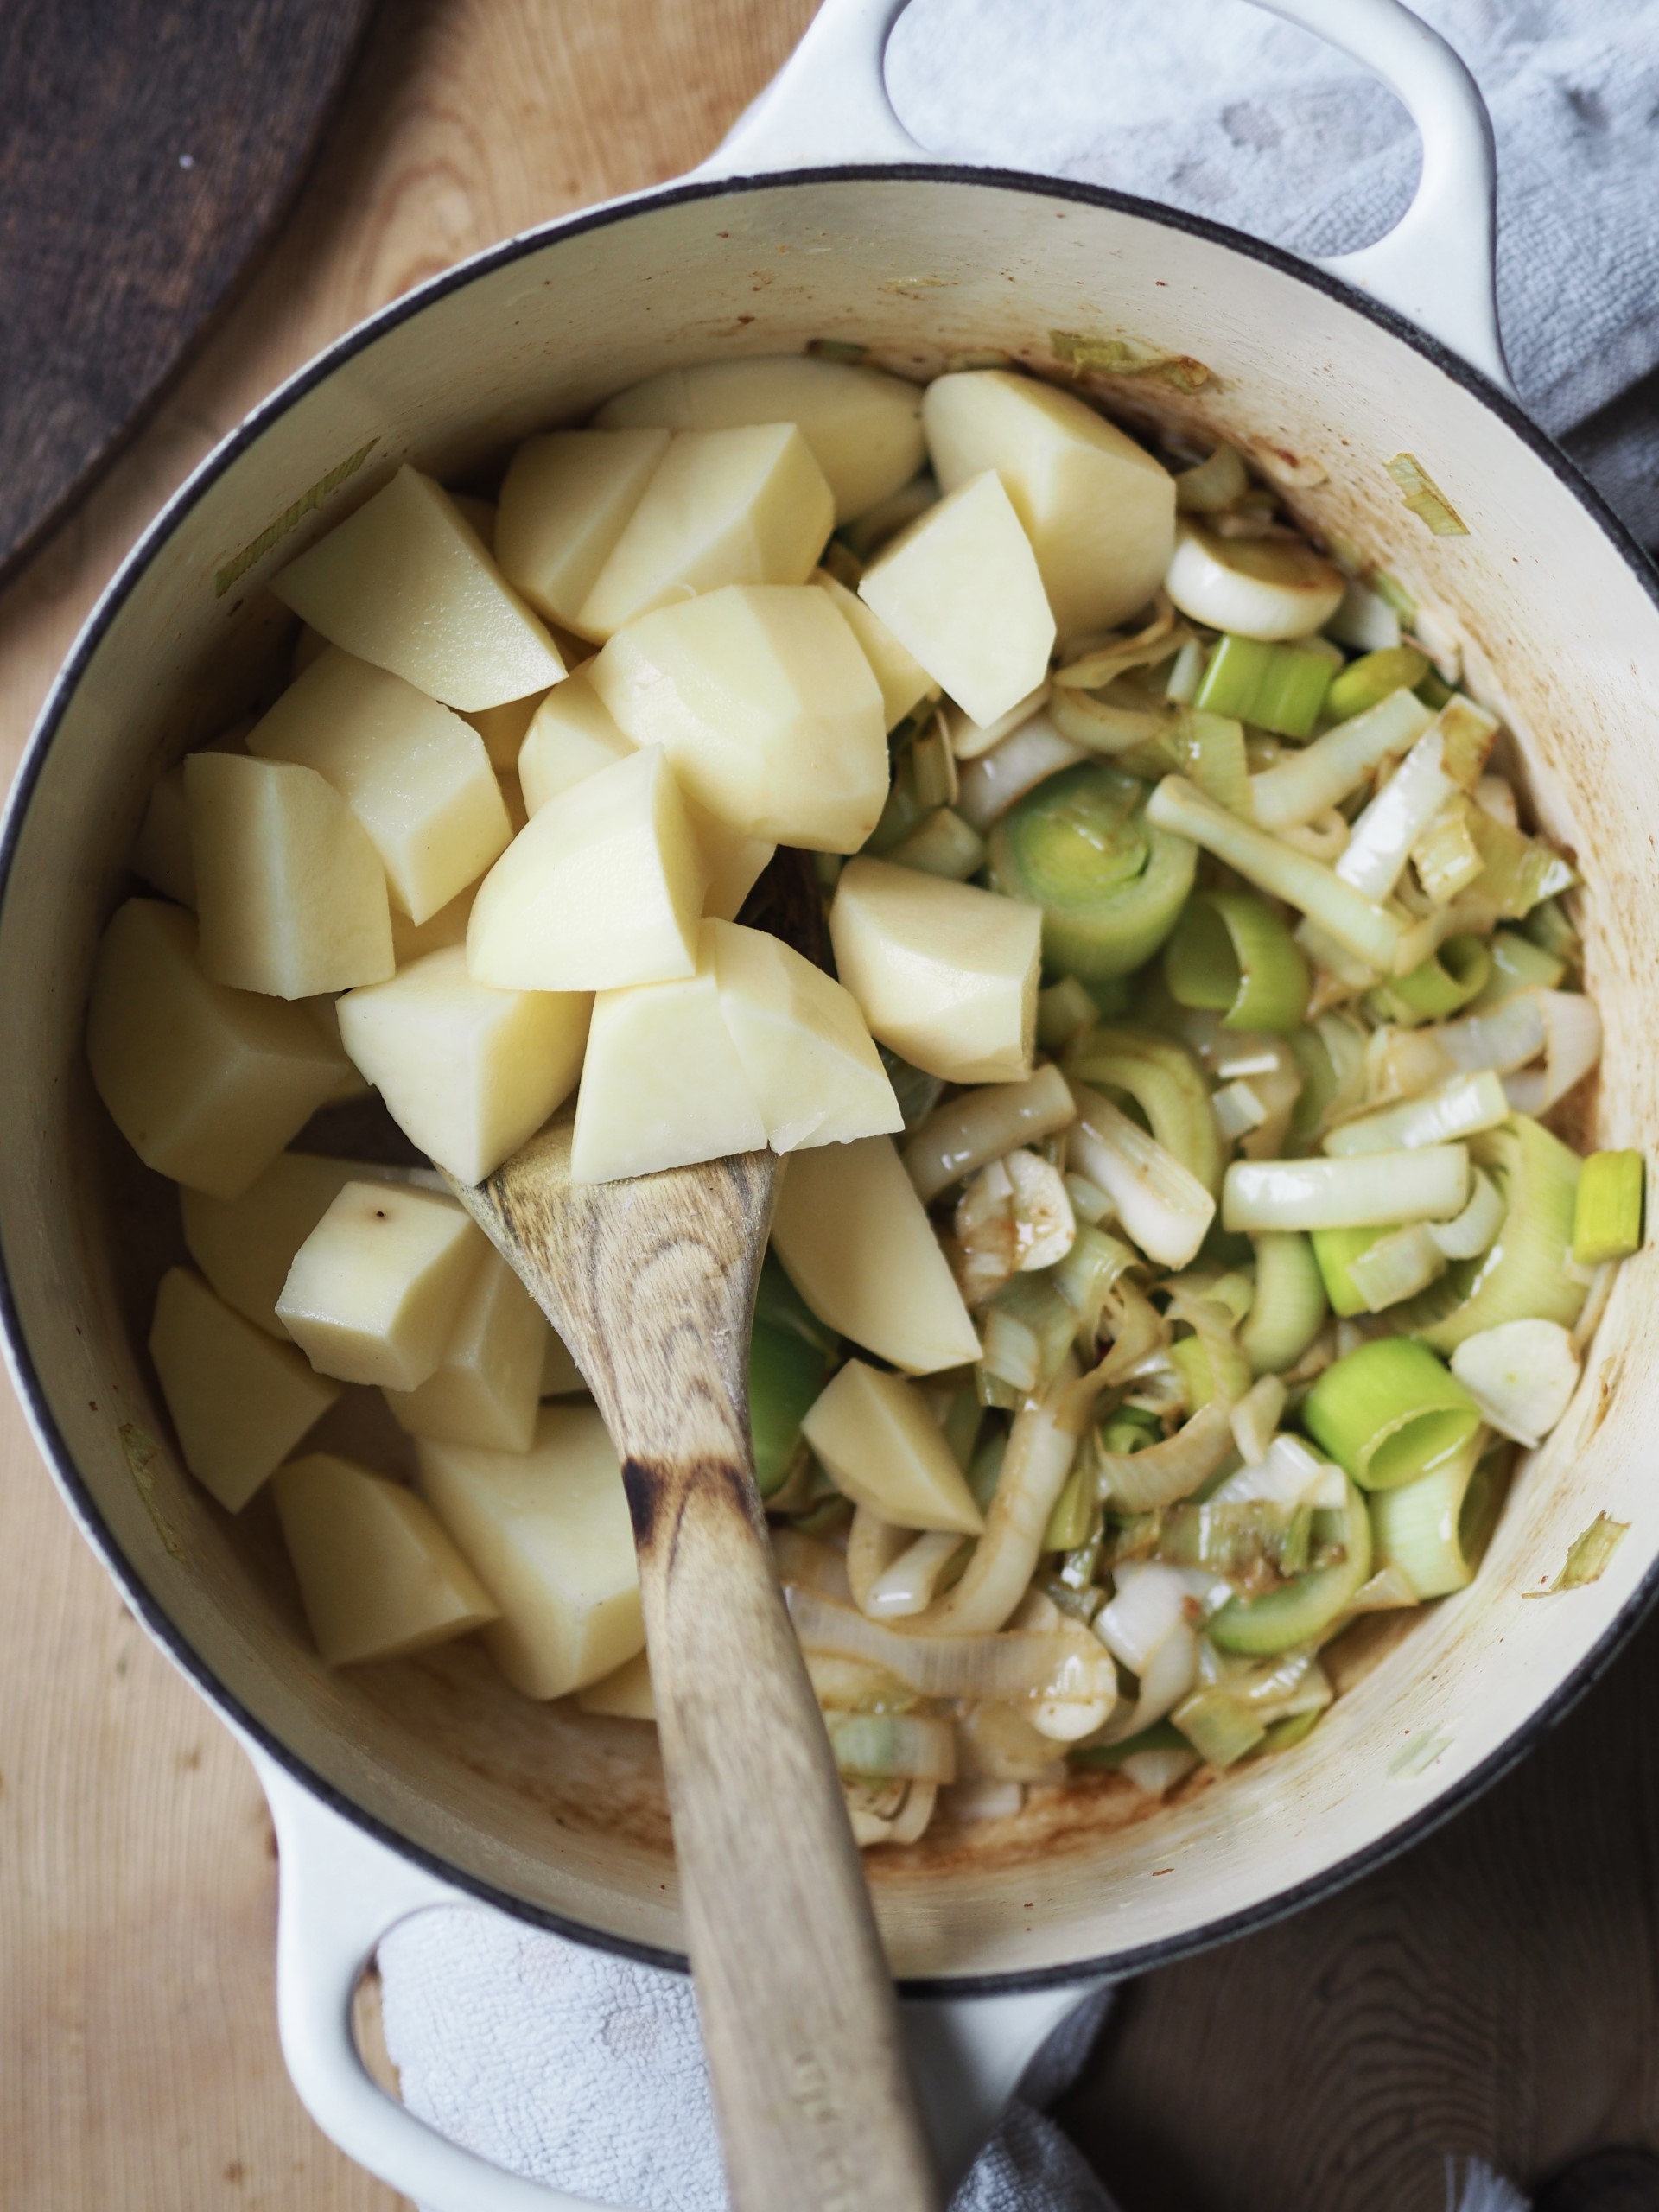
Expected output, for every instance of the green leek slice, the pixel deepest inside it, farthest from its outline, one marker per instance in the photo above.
(1290, 1304)
(1373, 677)
(1607, 1214)
(1389, 1412)
(1233, 954)
(791, 1356)
(1165, 1081)
(1435, 1530)
(1448, 980)
(1275, 686)
(1302, 1608)
(1521, 1275)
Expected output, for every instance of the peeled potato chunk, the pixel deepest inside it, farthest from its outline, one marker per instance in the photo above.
(239, 1401)
(905, 682)
(489, 1383)
(416, 776)
(808, 1056)
(945, 974)
(565, 501)
(378, 1576)
(290, 894)
(246, 1245)
(406, 583)
(663, 1085)
(205, 1083)
(1099, 510)
(467, 1072)
(856, 1243)
(624, 1696)
(373, 1292)
(747, 507)
(960, 589)
(763, 699)
(601, 887)
(160, 851)
(884, 1449)
(549, 1533)
(864, 427)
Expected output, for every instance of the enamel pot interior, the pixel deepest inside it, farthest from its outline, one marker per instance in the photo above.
(559, 1817)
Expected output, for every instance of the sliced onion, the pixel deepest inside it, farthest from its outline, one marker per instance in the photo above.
(1397, 1265)
(1288, 1473)
(1572, 1048)
(968, 739)
(1000, 1743)
(873, 1545)
(1149, 1602)
(1387, 1590)
(986, 1799)
(1521, 1375)
(991, 784)
(1044, 1226)
(1170, 1675)
(1162, 1474)
(983, 1123)
(1495, 795)
(1238, 1109)
(908, 1585)
(1162, 1206)
(1017, 1663)
(1256, 1417)
(1383, 836)
(1068, 1720)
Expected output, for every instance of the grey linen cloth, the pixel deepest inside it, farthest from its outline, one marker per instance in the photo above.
(583, 2069)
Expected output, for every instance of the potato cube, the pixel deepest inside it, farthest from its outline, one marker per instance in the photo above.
(745, 506)
(205, 1083)
(864, 427)
(378, 1576)
(663, 1085)
(160, 851)
(624, 1696)
(290, 894)
(239, 1401)
(816, 1075)
(488, 1384)
(467, 1072)
(572, 736)
(1099, 510)
(960, 589)
(566, 500)
(884, 1449)
(945, 974)
(415, 775)
(503, 728)
(905, 682)
(412, 941)
(764, 702)
(374, 1290)
(601, 888)
(549, 1533)
(246, 1245)
(856, 1243)
(406, 583)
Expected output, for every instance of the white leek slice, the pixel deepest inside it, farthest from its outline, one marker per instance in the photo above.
(990, 783)
(1162, 1206)
(1405, 1061)
(1520, 1374)
(1238, 1109)
(1571, 1047)
(1256, 1417)
(1156, 1773)
(1397, 1265)
(1018, 1662)
(1475, 1230)
(1461, 1107)
(1302, 784)
(1372, 1188)
(1169, 1676)
(1149, 1603)
(1266, 588)
(1376, 852)
(1288, 1473)
(1364, 620)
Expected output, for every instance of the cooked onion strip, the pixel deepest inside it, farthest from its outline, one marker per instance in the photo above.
(1300, 786)
(1162, 1206)
(982, 1124)
(1139, 1482)
(1018, 1663)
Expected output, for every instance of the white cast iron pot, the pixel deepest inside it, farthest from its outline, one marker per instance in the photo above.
(399, 1787)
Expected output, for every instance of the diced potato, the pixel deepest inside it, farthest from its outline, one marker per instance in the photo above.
(747, 507)
(960, 589)
(239, 1401)
(560, 1374)
(884, 1449)
(417, 777)
(863, 427)
(503, 728)
(549, 1533)
(971, 740)
(572, 736)
(290, 894)
(945, 974)
(601, 888)
(624, 1696)
(489, 1382)
(161, 852)
(763, 699)
(378, 1576)
(905, 682)
(1099, 510)
(246, 1246)
(467, 1072)
(205, 1083)
(414, 940)
(566, 500)
(805, 1052)
(662, 1084)
(406, 583)
(856, 1243)
(374, 1290)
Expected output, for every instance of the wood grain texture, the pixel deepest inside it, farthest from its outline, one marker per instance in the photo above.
(139, 2065)
(148, 153)
(650, 1283)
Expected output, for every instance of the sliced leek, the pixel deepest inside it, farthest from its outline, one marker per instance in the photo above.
(1265, 588)
(1306, 1606)
(1431, 1184)
(1389, 1412)
(1232, 953)
(1433, 1531)
(1607, 1214)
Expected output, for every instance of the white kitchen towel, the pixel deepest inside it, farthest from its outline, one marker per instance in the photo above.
(586, 2070)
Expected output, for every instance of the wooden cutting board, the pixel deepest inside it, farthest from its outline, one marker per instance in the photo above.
(149, 148)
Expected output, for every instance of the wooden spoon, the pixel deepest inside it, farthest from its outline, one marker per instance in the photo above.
(651, 1282)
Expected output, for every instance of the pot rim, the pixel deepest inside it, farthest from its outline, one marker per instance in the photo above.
(31, 1391)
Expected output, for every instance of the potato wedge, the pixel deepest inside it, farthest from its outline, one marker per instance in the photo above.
(374, 1290)
(487, 1385)
(566, 499)
(808, 1058)
(884, 1449)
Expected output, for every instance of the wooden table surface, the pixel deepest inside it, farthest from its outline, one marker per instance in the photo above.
(1497, 1991)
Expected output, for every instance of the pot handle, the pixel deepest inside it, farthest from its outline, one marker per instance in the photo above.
(341, 1893)
(828, 106)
